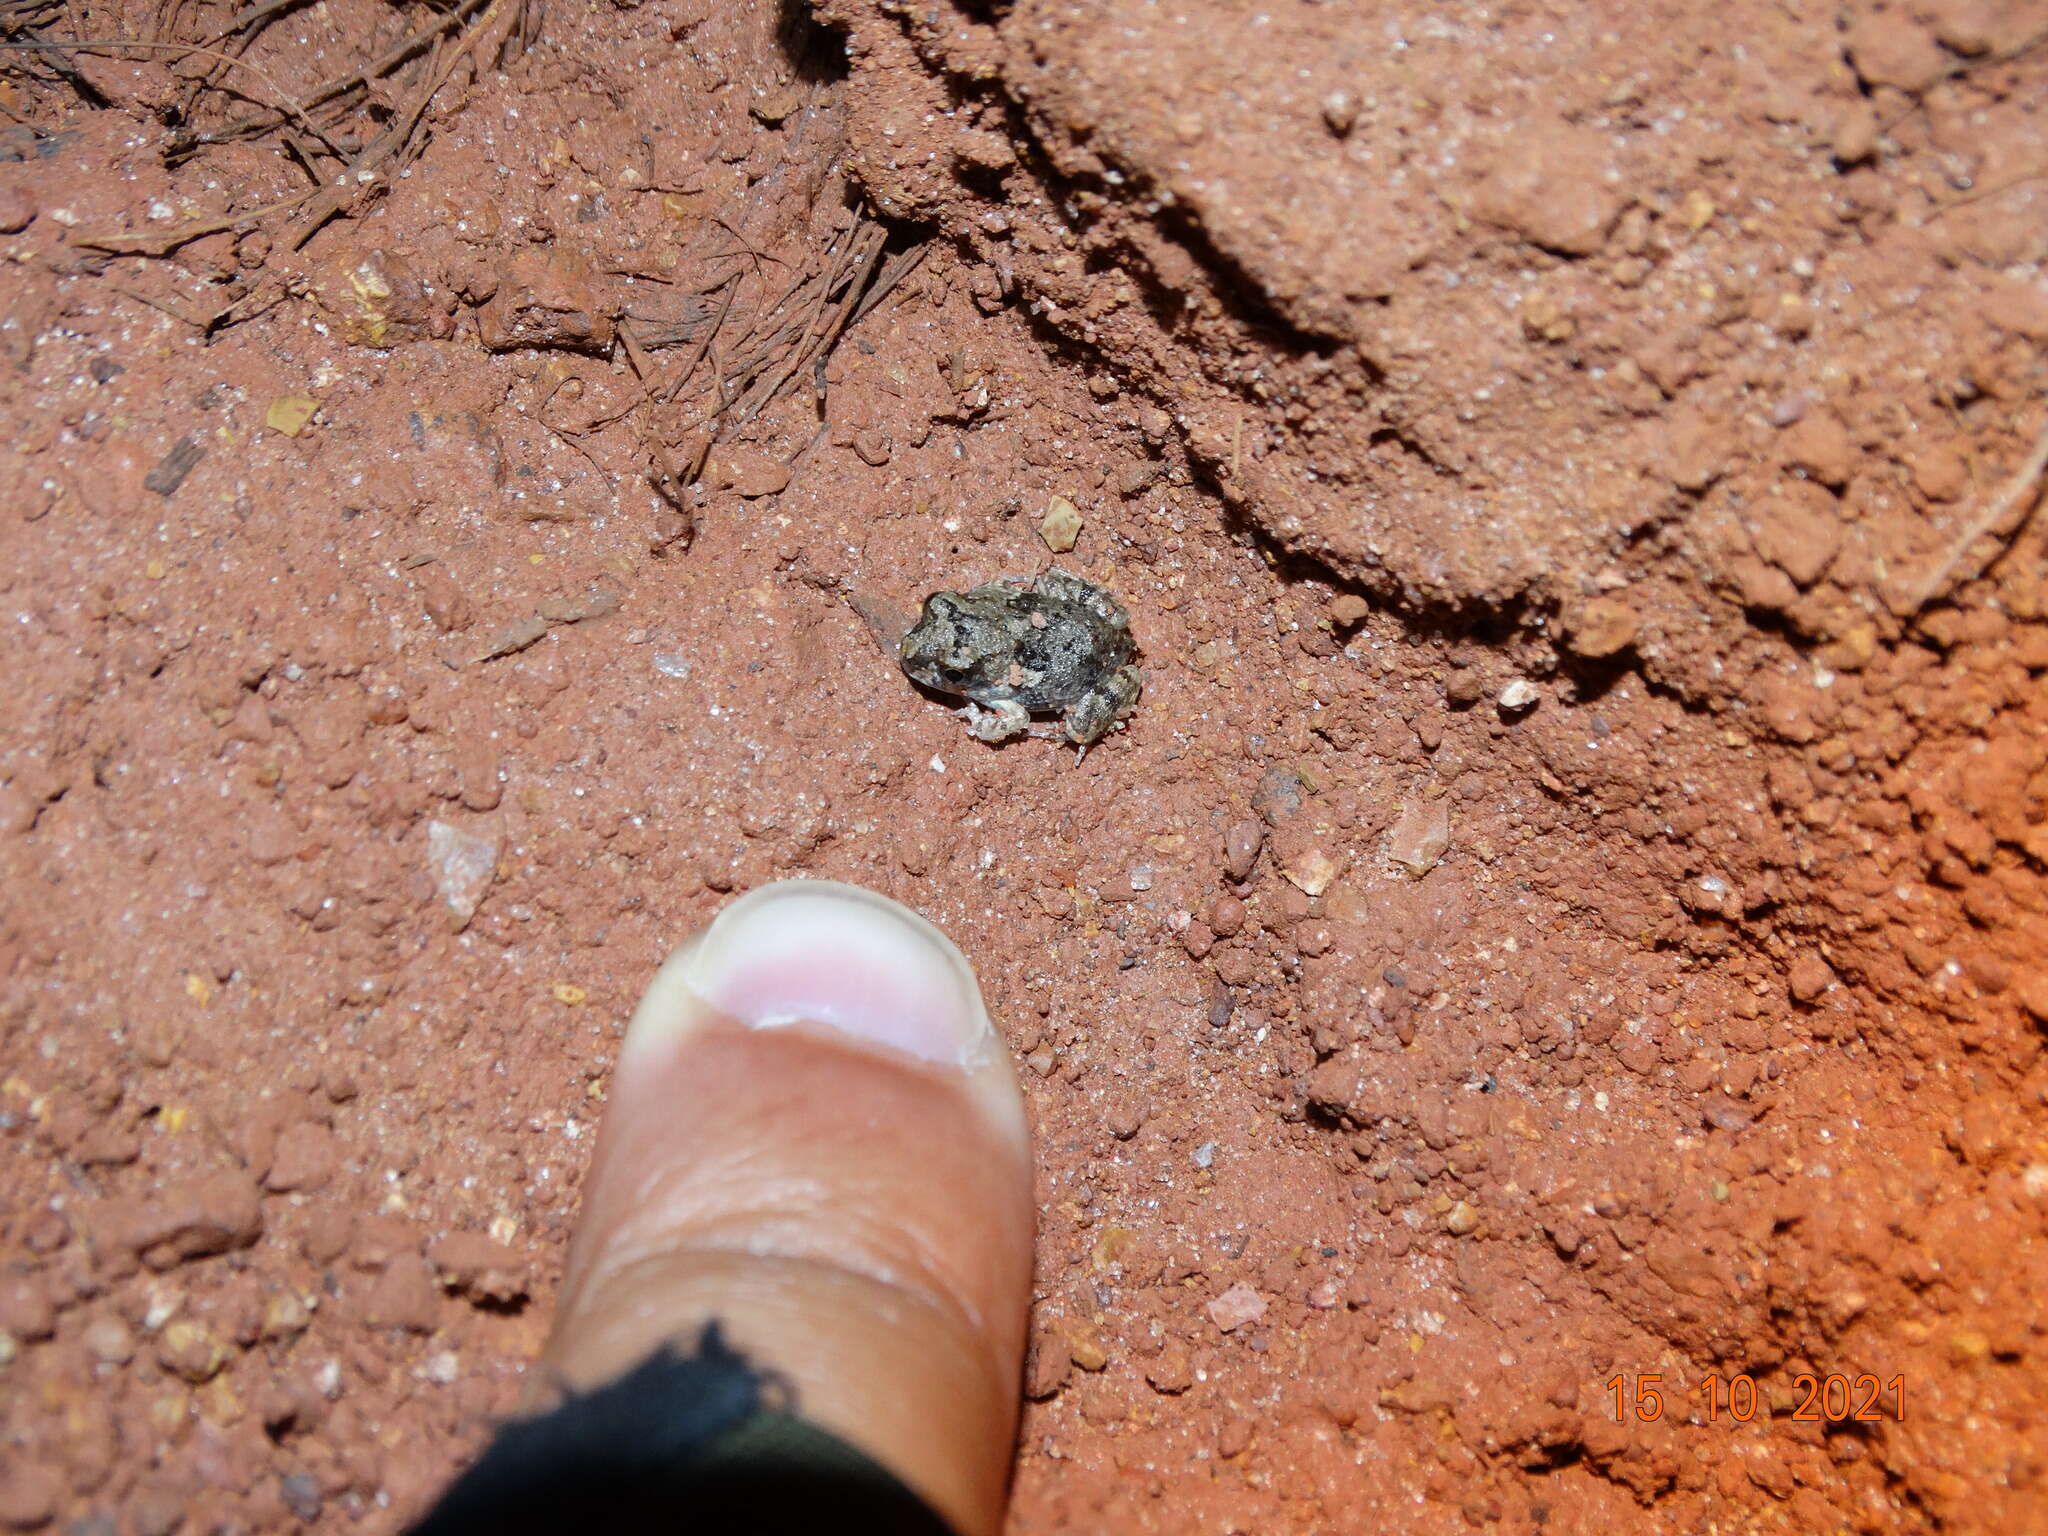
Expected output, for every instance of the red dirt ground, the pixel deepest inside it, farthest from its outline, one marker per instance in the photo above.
(1570, 905)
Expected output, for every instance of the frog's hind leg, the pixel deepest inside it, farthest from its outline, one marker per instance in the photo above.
(1103, 708)
(1054, 582)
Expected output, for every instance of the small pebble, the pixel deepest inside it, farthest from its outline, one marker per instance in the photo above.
(1048, 1365)
(1600, 626)
(17, 210)
(2033, 996)
(1724, 1114)
(26, 1310)
(1854, 133)
(1464, 687)
(1312, 871)
(1236, 1307)
(1313, 939)
(108, 1341)
(191, 1219)
(305, 1159)
(1941, 474)
(1222, 1003)
(1810, 977)
(403, 1297)
(1205, 1154)
(774, 105)
(1226, 916)
(1460, 1220)
(1420, 836)
(290, 414)
(301, 1495)
(1241, 849)
(1519, 695)
(1348, 609)
(462, 864)
(1790, 409)
(186, 1348)
(1551, 185)
(479, 1267)
(284, 1316)
(748, 472)
(1172, 1372)
(1133, 478)
(1280, 795)
(28, 1494)
(1061, 525)
(1087, 1352)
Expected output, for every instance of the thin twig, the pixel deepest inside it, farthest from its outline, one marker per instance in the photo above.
(17, 15)
(675, 385)
(1917, 100)
(569, 440)
(840, 316)
(814, 311)
(163, 242)
(897, 268)
(857, 264)
(101, 45)
(1980, 193)
(252, 16)
(325, 92)
(70, 74)
(1995, 511)
(238, 39)
(365, 172)
(822, 304)
(745, 247)
(176, 311)
(269, 288)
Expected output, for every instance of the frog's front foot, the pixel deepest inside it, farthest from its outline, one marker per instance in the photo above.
(1005, 720)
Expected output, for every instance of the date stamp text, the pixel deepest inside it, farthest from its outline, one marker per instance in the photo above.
(1836, 1398)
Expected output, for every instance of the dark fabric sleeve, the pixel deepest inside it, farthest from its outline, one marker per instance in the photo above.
(682, 1444)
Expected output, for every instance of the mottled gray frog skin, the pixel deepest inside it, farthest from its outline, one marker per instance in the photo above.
(1056, 645)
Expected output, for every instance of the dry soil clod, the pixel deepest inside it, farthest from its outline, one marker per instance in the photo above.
(2018, 493)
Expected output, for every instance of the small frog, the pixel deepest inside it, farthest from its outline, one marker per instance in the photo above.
(1057, 644)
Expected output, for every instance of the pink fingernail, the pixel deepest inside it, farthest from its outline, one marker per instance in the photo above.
(838, 955)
